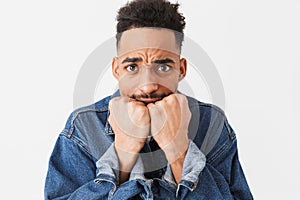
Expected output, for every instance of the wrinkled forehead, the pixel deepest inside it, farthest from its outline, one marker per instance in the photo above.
(147, 38)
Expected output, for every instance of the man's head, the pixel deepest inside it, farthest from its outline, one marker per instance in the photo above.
(150, 34)
(150, 13)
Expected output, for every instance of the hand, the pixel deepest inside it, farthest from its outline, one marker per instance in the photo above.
(130, 122)
(170, 119)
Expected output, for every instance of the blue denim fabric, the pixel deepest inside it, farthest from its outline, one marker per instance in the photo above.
(84, 164)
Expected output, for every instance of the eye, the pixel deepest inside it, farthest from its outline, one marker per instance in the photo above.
(131, 68)
(163, 68)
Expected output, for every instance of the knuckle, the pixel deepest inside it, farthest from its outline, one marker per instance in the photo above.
(131, 104)
(110, 120)
(172, 97)
(139, 109)
(116, 99)
(143, 110)
(180, 96)
(111, 102)
(161, 102)
(182, 99)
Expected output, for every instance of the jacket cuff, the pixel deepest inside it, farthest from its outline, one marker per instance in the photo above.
(191, 167)
(108, 164)
(137, 171)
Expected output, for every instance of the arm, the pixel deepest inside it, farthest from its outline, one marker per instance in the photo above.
(220, 148)
(130, 122)
(75, 173)
(170, 119)
(220, 177)
(228, 164)
(126, 162)
(177, 166)
(72, 173)
(223, 175)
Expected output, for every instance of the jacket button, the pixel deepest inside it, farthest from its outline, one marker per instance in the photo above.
(195, 186)
(97, 180)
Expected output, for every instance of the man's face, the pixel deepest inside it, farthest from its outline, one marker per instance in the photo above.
(148, 66)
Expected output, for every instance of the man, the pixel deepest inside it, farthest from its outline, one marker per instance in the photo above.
(147, 141)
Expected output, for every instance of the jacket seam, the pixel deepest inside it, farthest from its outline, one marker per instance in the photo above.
(231, 133)
(75, 116)
(78, 142)
(212, 106)
(221, 151)
(218, 153)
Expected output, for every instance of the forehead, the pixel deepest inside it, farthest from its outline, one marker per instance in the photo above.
(138, 39)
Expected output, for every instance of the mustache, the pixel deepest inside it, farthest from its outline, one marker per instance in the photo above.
(150, 96)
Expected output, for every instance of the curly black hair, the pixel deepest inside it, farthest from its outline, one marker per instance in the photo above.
(151, 13)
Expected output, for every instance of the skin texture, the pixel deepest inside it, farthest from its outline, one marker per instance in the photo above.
(148, 69)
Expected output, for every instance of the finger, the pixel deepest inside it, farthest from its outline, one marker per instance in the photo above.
(171, 100)
(181, 97)
(150, 105)
(158, 119)
(139, 103)
(154, 110)
(131, 99)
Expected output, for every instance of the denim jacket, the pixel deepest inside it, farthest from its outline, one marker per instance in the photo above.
(84, 164)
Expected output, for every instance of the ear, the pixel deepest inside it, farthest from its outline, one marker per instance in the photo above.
(115, 68)
(182, 68)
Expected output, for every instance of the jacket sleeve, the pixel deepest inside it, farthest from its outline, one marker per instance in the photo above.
(72, 173)
(225, 161)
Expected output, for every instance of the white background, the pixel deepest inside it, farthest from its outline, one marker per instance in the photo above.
(254, 44)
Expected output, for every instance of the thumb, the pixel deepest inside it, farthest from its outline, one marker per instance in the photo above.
(154, 110)
(150, 105)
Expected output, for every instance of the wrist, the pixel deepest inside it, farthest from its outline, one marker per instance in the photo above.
(177, 167)
(176, 150)
(126, 159)
(129, 146)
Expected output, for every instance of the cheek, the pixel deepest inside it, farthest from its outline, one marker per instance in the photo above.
(127, 85)
(170, 83)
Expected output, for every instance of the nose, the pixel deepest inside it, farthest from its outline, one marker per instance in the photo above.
(148, 82)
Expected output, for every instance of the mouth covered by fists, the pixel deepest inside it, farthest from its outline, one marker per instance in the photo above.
(166, 120)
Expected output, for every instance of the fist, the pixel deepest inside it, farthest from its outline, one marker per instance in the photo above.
(170, 119)
(130, 121)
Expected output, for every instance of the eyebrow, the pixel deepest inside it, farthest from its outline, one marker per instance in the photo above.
(138, 59)
(164, 61)
(130, 60)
